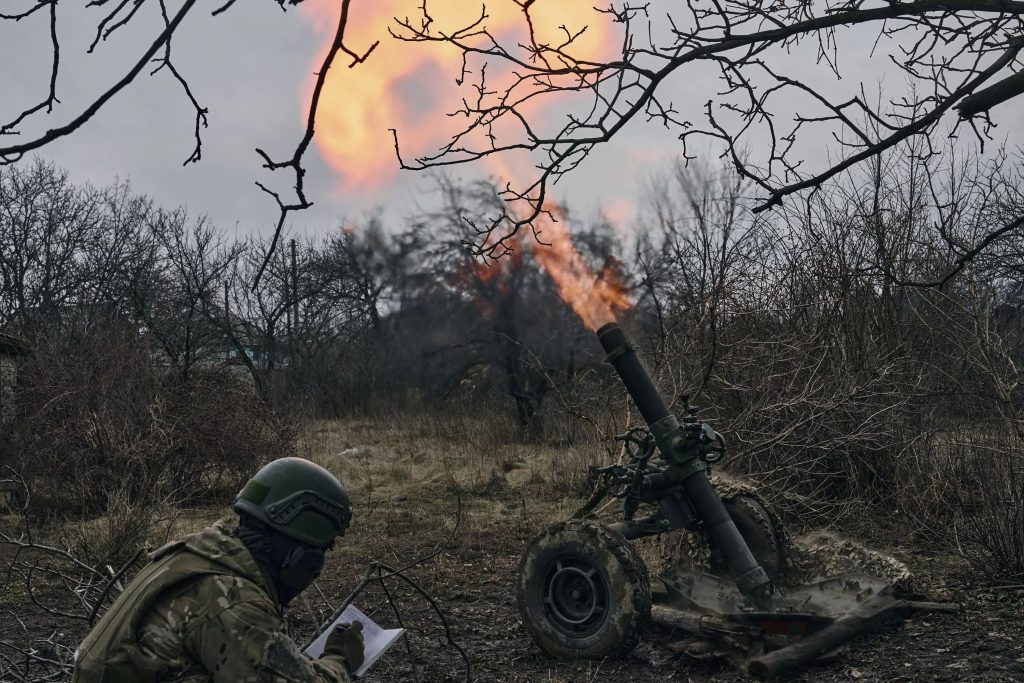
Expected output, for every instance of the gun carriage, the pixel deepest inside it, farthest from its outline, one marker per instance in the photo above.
(584, 591)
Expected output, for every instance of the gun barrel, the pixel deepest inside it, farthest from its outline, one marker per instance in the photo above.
(707, 504)
(638, 383)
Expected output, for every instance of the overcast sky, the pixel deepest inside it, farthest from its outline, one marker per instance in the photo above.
(252, 66)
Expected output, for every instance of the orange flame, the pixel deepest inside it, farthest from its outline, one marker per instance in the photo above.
(411, 87)
(595, 297)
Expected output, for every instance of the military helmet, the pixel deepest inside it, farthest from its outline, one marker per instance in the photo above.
(298, 498)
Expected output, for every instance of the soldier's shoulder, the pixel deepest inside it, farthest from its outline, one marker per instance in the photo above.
(231, 600)
(212, 569)
(214, 539)
(226, 589)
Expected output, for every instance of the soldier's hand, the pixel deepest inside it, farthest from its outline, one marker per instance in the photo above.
(347, 641)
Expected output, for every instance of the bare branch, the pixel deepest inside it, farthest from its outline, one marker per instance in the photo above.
(12, 153)
(295, 162)
(951, 48)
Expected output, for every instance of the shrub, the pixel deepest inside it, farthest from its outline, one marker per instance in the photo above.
(100, 414)
(965, 490)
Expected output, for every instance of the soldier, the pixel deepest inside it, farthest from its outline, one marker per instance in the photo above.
(208, 607)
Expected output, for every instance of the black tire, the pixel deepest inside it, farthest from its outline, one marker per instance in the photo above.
(583, 591)
(758, 530)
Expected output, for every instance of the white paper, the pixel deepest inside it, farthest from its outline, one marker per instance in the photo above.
(376, 640)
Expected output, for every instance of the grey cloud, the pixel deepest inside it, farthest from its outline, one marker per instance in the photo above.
(249, 66)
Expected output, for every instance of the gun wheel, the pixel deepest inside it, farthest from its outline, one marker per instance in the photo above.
(759, 528)
(760, 533)
(583, 591)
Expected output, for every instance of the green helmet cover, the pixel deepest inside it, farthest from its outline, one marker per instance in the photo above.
(298, 498)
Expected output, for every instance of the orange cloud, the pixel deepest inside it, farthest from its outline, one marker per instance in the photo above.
(411, 86)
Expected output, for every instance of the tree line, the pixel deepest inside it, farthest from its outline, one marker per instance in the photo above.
(370, 313)
(846, 345)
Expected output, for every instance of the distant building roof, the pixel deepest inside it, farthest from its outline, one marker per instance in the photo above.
(13, 346)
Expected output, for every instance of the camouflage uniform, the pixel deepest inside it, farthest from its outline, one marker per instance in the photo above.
(201, 611)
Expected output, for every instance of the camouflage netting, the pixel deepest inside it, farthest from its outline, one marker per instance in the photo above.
(820, 554)
(812, 556)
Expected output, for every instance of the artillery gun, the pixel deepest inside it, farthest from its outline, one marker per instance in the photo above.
(584, 592)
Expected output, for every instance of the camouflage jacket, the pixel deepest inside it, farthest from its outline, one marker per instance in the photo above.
(201, 611)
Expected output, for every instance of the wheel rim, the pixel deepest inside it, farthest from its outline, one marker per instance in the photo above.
(576, 596)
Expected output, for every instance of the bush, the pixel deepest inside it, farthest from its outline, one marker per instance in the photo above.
(100, 414)
(965, 490)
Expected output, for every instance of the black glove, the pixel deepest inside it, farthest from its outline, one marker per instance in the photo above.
(346, 641)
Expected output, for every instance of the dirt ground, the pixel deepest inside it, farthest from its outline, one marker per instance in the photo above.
(403, 478)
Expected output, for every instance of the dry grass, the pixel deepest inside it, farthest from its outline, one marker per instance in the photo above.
(402, 474)
(379, 459)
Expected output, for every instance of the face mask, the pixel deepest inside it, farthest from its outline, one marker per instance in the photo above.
(293, 565)
(300, 567)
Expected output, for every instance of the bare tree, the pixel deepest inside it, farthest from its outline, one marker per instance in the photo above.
(512, 324)
(171, 291)
(65, 249)
(118, 16)
(314, 306)
(962, 58)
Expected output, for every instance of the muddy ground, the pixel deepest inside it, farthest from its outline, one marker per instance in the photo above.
(403, 478)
